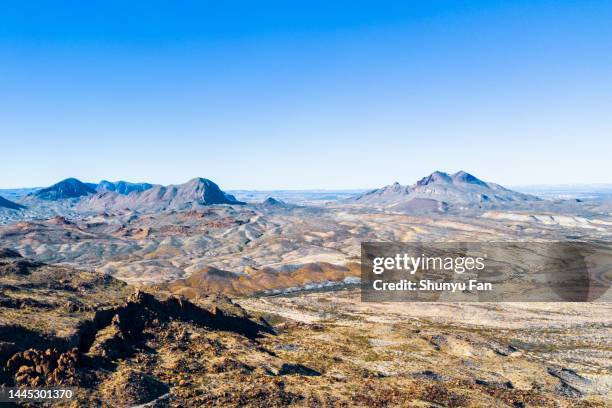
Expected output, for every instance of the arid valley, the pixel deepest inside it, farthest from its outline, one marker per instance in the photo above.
(186, 295)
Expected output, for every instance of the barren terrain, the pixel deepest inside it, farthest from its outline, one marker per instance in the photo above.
(129, 306)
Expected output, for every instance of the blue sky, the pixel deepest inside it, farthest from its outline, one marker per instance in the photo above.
(305, 94)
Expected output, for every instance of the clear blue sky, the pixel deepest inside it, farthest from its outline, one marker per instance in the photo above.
(305, 94)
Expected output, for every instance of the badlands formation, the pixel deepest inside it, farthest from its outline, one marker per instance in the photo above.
(120, 290)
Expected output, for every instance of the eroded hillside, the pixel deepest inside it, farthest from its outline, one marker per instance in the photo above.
(117, 347)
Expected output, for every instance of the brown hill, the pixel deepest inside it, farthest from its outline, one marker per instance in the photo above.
(210, 280)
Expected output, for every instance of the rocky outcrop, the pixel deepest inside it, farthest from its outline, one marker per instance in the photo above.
(11, 263)
(36, 368)
(114, 333)
(6, 253)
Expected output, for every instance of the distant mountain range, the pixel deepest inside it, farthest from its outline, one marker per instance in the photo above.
(73, 188)
(439, 191)
(78, 196)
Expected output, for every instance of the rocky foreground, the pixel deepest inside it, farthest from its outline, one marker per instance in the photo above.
(60, 326)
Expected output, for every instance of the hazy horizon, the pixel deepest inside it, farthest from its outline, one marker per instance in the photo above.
(320, 95)
(345, 189)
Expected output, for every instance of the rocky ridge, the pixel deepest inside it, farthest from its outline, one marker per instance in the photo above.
(118, 346)
(195, 193)
(64, 327)
(440, 191)
(122, 187)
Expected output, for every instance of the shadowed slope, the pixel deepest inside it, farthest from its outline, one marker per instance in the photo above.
(4, 203)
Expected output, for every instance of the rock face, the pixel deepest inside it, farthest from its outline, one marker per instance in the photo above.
(194, 193)
(69, 188)
(440, 190)
(36, 368)
(4, 203)
(64, 327)
(122, 187)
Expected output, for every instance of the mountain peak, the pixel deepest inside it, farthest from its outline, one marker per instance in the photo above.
(205, 191)
(466, 178)
(199, 182)
(436, 177)
(68, 188)
(441, 191)
(272, 203)
(396, 187)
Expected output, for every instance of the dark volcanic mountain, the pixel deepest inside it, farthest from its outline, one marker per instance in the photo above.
(4, 203)
(440, 190)
(272, 204)
(69, 188)
(196, 192)
(122, 187)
